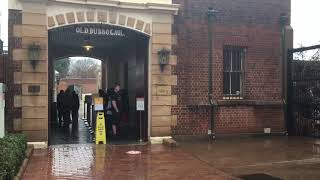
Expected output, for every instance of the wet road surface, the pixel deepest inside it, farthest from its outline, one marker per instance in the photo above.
(60, 135)
(155, 162)
(81, 135)
(293, 158)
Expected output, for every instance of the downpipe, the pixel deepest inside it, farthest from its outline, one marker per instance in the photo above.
(211, 15)
(284, 96)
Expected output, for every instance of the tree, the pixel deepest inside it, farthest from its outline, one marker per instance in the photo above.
(62, 66)
(84, 68)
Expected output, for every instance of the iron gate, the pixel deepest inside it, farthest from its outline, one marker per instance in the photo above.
(2, 63)
(304, 91)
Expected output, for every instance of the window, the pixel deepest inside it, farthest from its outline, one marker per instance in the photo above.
(233, 72)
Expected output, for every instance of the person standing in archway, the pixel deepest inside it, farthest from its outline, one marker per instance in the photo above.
(67, 106)
(116, 108)
(75, 110)
(60, 106)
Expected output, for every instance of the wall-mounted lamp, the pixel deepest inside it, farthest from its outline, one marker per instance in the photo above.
(34, 54)
(163, 56)
(87, 45)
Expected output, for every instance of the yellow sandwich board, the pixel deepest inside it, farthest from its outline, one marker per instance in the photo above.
(100, 129)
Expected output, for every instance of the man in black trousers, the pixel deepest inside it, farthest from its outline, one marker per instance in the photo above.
(67, 107)
(60, 106)
(75, 110)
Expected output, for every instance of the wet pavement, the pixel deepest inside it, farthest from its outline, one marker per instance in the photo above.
(81, 135)
(155, 162)
(290, 158)
(60, 135)
(261, 158)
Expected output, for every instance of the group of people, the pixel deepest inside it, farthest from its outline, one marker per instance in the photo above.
(116, 108)
(68, 105)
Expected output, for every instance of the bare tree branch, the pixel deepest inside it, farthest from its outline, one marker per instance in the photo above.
(86, 68)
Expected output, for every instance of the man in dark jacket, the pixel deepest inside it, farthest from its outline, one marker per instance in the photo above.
(60, 106)
(67, 106)
(75, 109)
(116, 108)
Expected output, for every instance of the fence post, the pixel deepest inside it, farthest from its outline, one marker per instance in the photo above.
(289, 118)
(2, 106)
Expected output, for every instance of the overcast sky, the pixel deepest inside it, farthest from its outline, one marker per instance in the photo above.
(305, 15)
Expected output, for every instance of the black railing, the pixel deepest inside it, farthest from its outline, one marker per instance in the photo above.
(304, 92)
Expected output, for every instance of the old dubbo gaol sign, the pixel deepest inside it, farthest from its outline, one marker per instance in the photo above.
(100, 31)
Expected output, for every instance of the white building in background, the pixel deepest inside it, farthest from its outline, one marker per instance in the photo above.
(0, 21)
(1, 41)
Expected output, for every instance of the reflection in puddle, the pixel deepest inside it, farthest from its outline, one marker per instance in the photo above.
(72, 161)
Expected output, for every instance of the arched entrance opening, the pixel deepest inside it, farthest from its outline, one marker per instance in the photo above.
(124, 59)
(83, 76)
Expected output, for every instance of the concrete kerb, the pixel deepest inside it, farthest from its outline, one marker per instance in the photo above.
(24, 164)
(166, 140)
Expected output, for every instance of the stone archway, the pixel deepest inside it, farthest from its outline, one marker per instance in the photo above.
(103, 17)
(33, 18)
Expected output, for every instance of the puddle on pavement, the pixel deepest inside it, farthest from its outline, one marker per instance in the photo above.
(259, 177)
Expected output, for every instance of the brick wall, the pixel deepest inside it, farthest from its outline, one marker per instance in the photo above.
(12, 113)
(253, 24)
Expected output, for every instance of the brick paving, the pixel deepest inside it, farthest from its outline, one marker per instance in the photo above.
(112, 162)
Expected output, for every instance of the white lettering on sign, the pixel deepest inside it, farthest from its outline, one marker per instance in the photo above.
(100, 31)
(140, 104)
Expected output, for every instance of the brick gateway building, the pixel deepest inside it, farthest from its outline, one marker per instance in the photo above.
(248, 38)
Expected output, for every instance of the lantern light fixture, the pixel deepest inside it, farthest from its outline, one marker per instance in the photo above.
(34, 54)
(87, 45)
(163, 56)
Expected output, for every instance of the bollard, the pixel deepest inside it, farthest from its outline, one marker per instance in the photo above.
(93, 117)
(88, 101)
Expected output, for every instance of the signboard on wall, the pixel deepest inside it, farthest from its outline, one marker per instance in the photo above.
(91, 30)
(98, 104)
(140, 104)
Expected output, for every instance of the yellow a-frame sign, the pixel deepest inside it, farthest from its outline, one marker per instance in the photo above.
(100, 129)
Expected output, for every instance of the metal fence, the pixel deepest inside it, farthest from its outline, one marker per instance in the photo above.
(304, 91)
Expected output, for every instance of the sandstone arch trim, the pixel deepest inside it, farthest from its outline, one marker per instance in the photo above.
(104, 17)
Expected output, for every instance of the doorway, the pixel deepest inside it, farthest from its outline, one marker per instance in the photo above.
(124, 60)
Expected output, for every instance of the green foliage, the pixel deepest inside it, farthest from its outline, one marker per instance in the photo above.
(12, 153)
(62, 66)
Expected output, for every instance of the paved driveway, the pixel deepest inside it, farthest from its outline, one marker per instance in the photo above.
(290, 158)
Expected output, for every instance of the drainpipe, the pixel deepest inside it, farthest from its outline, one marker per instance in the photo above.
(2, 110)
(211, 14)
(283, 22)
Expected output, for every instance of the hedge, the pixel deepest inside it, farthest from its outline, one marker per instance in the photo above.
(12, 153)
